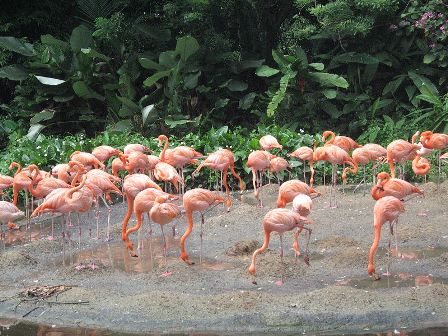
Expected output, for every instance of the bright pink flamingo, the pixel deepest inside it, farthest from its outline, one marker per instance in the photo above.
(196, 200)
(87, 159)
(290, 189)
(344, 142)
(8, 213)
(400, 151)
(221, 160)
(305, 153)
(143, 203)
(367, 153)
(103, 153)
(177, 157)
(258, 162)
(281, 221)
(387, 186)
(131, 148)
(387, 209)
(269, 142)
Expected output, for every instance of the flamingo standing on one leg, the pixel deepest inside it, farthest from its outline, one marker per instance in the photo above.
(278, 220)
(258, 161)
(305, 153)
(291, 189)
(387, 209)
(8, 213)
(222, 160)
(196, 200)
(163, 213)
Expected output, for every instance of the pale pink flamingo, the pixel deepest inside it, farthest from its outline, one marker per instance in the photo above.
(8, 213)
(305, 153)
(290, 189)
(269, 142)
(258, 162)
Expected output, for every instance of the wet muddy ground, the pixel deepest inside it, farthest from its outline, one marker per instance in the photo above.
(333, 295)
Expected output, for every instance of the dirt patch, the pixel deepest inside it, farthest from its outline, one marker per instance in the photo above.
(216, 294)
(244, 247)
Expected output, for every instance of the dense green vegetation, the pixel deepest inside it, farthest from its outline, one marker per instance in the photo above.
(371, 69)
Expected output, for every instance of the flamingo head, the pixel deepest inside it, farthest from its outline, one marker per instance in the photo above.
(162, 138)
(383, 176)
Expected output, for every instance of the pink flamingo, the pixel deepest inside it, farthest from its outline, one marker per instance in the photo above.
(305, 153)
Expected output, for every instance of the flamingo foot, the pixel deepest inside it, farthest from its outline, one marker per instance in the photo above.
(375, 276)
(13, 226)
(254, 282)
(279, 282)
(133, 254)
(185, 257)
(166, 274)
(50, 238)
(108, 239)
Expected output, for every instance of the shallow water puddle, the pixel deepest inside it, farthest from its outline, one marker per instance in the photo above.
(391, 281)
(150, 255)
(414, 254)
(39, 230)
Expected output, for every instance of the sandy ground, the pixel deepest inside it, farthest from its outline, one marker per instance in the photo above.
(332, 295)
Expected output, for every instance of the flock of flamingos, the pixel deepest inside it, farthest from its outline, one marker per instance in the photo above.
(79, 184)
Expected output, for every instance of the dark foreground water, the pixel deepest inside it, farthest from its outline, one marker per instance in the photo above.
(10, 327)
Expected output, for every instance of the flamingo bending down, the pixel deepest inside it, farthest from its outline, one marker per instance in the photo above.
(305, 153)
(290, 189)
(269, 142)
(88, 160)
(258, 161)
(222, 160)
(132, 185)
(8, 213)
(388, 186)
(103, 153)
(196, 200)
(143, 203)
(279, 220)
(420, 165)
(387, 209)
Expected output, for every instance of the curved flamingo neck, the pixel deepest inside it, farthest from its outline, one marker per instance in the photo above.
(68, 196)
(77, 175)
(165, 147)
(375, 192)
(18, 166)
(328, 134)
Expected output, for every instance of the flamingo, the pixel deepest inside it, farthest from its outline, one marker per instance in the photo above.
(291, 189)
(131, 148)
(177, 157)
(143, 202)
(278, 164)
(5, 182)
(117, 166)
(165, 172)
(269, 142)
(400, 151)
(163, 213)
(62, 172)
(132, 185)
(367, 153)
(387, 209)
(305, 153)
(388, 186)
(196, 200)
(87, 159)
(344, 142)
(8, 213)
(135, 161)
(433, 141)
(302, 205)
(420, 165)
(335, 155)
(258, 161)
(222, 160)
(279, 220)
(103, 153)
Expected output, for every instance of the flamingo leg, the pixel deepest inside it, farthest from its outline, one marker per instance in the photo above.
(252, 269)
(363, 181)
(2, 237)
(137, 226)
(184, 255)
(164, 250)
(201, 235)
(79, 231)
(97, 217)
(109, 210)
(373, 248)
(228, 201)
(282, 274)
(304, 175)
